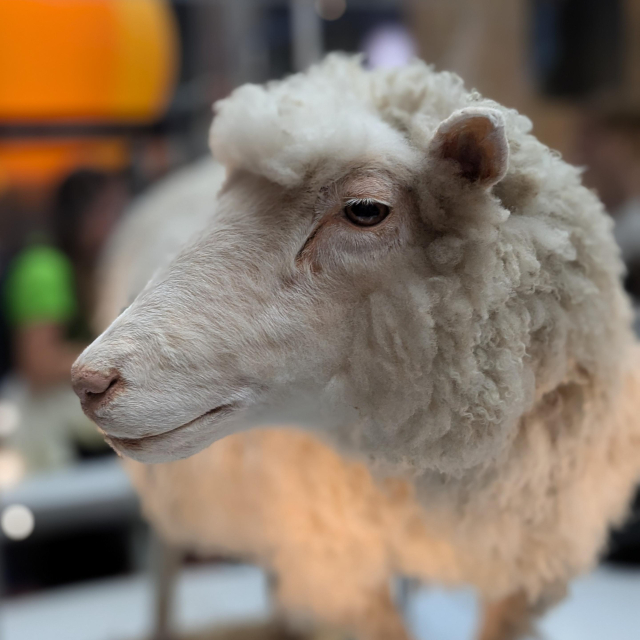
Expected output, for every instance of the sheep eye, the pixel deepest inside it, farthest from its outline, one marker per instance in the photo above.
(366, 213)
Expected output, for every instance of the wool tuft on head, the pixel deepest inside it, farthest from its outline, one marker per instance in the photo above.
(338, 110)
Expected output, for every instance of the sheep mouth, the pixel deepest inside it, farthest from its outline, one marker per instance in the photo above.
(168, 440)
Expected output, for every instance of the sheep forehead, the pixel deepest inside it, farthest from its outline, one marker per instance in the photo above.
(336, 114)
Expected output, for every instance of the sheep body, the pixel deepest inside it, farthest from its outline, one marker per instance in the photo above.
(523, 513)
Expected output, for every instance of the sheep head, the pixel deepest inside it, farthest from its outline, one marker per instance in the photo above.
(376, 269)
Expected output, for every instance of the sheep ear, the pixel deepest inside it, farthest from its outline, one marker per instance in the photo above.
(474, 142)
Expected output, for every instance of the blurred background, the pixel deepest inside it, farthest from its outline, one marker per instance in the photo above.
(100, 99)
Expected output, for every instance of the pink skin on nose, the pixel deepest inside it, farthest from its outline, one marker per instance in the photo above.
(94, 388)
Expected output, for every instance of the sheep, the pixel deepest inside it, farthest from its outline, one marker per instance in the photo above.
(397, 267)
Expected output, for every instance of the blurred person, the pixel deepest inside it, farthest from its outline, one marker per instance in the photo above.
(48, 299)
(5, 218)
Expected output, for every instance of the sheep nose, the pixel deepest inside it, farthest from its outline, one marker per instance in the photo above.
(95, 388)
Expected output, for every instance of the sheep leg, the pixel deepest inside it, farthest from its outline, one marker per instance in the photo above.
(514, 617)
(508, 619)
(382, 620)
(166, 563)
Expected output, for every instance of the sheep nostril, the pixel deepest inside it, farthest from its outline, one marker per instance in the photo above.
(92, 394)
(95, 388)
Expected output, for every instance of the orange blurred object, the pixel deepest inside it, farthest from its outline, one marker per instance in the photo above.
(88, 61)
(28, 162)
(105, 60)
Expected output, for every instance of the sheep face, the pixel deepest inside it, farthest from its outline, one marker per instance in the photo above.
(311, 305)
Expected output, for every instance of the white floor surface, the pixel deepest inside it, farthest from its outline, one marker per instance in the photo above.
(603, 606)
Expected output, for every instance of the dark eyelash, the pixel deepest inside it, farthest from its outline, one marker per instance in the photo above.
(352, 201)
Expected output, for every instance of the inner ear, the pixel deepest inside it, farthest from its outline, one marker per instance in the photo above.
(475, 140)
